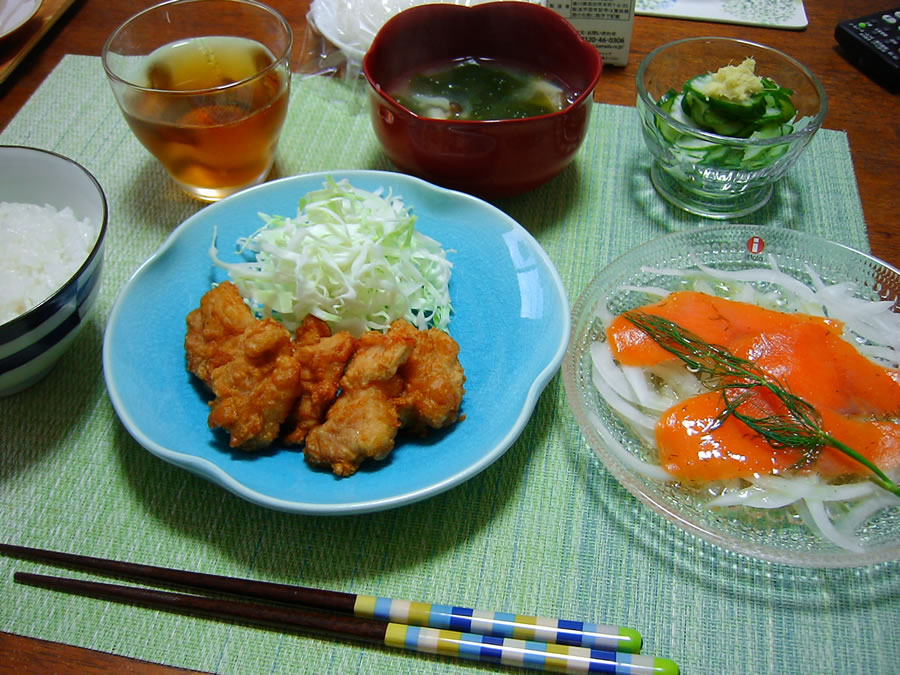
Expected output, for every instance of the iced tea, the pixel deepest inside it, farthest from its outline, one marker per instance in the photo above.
(215, 132)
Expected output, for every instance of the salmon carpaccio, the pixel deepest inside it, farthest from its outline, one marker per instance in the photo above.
(859, 400)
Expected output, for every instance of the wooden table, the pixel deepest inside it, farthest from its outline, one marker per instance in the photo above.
(858, 106)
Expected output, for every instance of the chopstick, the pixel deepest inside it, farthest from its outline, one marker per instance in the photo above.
(505, 651)
(442, 617)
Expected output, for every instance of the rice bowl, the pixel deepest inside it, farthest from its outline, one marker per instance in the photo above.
(51, 299)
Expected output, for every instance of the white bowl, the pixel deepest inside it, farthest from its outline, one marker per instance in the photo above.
(31, 343)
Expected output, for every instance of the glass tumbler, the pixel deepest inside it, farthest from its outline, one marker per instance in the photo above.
(204, 85)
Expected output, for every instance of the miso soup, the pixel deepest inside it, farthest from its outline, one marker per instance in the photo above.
(481, 89)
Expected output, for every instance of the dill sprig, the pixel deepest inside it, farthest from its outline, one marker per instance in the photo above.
(799, 427)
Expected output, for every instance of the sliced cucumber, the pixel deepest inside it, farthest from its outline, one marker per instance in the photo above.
(667, 103)
(749, 109)
(765, 114)
(778, 109)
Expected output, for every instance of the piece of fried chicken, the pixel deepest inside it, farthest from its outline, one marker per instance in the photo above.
(248, 364)
(214, 329)
(323, 358)
(363, 422)
(433, 380)
(256, 390)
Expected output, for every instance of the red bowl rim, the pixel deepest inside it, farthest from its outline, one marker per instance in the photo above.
(596, 63)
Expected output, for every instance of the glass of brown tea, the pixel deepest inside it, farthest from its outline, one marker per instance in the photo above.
(204, 85)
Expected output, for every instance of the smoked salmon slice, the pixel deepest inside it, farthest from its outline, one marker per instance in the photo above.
(858, 400)
(823, 368)
(715, 320)
(692, 451)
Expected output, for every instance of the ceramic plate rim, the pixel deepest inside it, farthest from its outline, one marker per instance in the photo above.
(218, 475)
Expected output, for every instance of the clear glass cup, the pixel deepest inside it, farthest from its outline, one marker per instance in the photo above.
(204, 85)
(703, 172)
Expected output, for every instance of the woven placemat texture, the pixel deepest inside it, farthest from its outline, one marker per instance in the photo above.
(545, 530)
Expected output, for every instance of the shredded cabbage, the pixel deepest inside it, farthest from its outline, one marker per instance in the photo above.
(351, 257)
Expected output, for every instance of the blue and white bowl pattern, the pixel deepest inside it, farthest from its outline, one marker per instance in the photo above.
(31, 343)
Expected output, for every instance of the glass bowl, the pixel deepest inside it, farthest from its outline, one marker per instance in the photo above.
(775, 535)
(703, 172)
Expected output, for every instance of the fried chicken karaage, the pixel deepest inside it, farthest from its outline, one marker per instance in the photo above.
(248, 364)
(363, 421)
(343, 399)
(322, 358)
(433, 380)
(257, 389)
(215, 328)
(405, 378)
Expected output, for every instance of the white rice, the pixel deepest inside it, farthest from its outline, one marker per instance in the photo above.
(41, 249)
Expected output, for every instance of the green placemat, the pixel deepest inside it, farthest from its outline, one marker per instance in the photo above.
(545, 530)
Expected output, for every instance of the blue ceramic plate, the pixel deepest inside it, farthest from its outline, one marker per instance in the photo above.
(511, 320)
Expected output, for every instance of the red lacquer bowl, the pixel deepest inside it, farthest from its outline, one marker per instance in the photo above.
(496, 158)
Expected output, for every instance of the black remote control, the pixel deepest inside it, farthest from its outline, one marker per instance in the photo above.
(872, 44)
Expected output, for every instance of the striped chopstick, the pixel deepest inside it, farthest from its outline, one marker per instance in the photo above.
(421, 614)
(506, 651)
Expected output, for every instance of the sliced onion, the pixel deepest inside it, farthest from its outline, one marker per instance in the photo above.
(813, 487)
(637, 378)
(861, 512)
(873, 327)
(642, 422)
(816, 518)
(754, 496)
(653, 471)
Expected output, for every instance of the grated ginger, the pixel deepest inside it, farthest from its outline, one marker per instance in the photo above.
(735, 83)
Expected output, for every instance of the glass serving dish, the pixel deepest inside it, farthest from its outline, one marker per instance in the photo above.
(774, 535)
(706, 173)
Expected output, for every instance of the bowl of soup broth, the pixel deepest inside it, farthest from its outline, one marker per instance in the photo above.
(492, 99)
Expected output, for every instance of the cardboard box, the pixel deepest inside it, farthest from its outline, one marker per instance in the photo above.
(606, 24)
